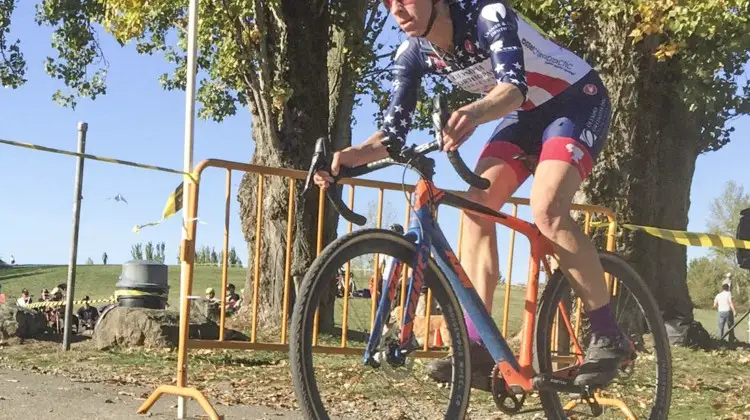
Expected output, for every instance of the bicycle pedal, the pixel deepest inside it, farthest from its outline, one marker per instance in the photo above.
(596, 408)
(546, 382)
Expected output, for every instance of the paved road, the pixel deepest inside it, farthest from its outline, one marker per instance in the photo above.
(28, 395)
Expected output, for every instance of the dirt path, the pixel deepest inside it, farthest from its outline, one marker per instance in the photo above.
(38, 396)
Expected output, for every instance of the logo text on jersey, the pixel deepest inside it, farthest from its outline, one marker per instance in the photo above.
(554, 61)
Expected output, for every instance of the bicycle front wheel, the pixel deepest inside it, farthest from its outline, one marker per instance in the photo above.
(347, 376)
(642, 390)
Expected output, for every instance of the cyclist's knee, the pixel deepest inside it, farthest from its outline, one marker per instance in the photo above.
(551, 217)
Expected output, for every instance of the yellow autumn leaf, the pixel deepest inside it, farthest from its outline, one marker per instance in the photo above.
(636, 34)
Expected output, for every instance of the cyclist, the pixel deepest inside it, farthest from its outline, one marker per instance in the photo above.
(551, 105)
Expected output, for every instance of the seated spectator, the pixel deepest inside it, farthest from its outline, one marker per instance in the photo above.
(25, 298)
(233, 299)
(87, 315)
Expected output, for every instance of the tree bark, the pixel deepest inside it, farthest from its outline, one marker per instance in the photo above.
(314, 109)
(644, 173)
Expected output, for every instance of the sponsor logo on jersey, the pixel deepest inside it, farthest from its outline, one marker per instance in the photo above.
(590, 89)
(478, 78)
(498, 47)
(575, 153)
(438, 63)
(588, 137)
(469, 46)
(494, 12)
(401, 48)
(548, 59)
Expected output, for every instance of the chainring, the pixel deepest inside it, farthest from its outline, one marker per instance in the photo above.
(501, 395)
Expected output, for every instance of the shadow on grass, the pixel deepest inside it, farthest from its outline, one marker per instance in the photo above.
(58, 338)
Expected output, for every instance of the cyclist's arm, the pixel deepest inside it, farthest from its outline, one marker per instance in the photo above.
(497, 31)
(499, 102)
(370, 150)
(408, 68)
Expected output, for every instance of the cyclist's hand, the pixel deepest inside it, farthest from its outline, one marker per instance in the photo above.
(461, 125)
(324, 178)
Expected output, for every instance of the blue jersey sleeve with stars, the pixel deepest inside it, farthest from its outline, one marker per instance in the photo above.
(497, 31)
(408, 70)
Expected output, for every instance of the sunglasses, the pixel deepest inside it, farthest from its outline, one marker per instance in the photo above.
(388, 3)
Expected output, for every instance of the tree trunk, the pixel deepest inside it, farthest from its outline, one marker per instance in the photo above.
(644, 174)
(305, 67)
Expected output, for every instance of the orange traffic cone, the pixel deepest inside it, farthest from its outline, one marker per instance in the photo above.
(437, 340)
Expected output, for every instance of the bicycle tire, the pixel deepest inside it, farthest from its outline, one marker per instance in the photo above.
(558, 286)
(371, 241)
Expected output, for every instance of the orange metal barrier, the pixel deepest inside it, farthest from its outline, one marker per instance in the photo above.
(188, 253)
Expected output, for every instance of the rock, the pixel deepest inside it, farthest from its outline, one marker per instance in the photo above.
(151, 328)
(20, 322)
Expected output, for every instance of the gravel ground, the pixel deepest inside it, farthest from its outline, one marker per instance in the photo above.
(37, 396)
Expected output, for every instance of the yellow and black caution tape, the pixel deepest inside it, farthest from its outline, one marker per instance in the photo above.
(99, 158)
(51, 304)
(686, 238)
(174, 204)
(111, 299)
(138, 293)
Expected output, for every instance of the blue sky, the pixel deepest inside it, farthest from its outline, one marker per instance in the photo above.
(137, 120)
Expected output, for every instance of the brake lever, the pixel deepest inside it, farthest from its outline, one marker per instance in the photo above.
(319, 161)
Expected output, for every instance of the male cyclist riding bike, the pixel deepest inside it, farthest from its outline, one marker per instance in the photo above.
(552, 106)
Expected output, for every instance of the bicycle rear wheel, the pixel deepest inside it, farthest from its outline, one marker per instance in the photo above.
(637, 314)
(315, 284)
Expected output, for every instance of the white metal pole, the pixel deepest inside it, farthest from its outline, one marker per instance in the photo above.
(188, 154)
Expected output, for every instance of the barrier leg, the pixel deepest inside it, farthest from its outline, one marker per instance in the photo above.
(180, 392)
(612, 402)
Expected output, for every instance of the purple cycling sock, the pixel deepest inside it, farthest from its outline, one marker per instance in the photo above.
(603, 322)
(471, 329)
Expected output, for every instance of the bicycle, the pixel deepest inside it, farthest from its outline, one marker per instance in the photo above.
(512, 378)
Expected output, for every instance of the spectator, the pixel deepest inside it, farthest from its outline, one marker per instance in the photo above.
(87, 315)
(233, 299)
(44, 295)
(25, 298)
(63, 288)
(210, 294)
(2, 295)
(725, 306)
(57, 294)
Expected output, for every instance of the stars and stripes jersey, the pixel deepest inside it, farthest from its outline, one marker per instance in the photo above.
(492, 44)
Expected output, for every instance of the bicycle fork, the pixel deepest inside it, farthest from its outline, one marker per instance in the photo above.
(396, 352)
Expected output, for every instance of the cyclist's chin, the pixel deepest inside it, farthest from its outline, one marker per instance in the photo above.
(411, 29)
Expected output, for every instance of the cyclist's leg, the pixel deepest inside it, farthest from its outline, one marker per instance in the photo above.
(479, 254)
(555, 183)
(570, 145)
